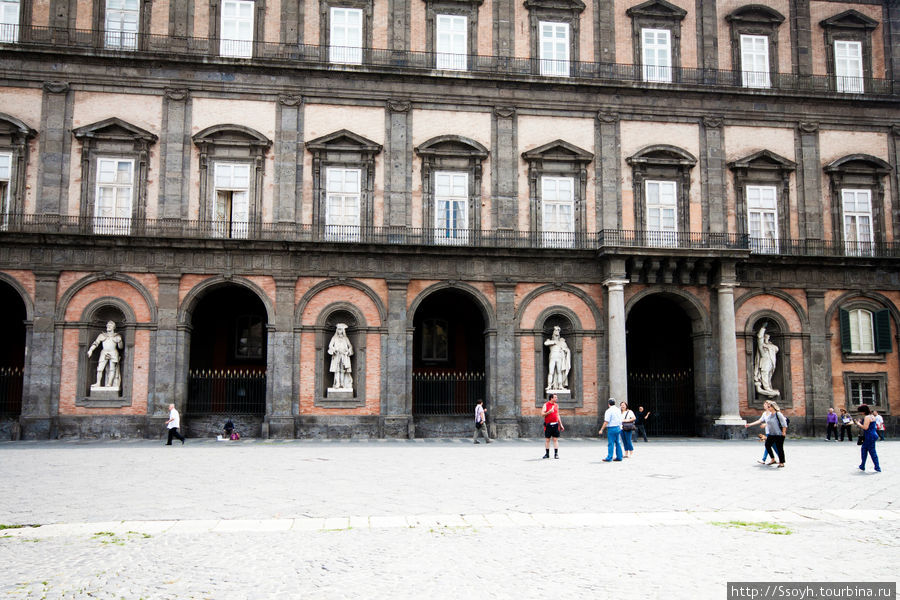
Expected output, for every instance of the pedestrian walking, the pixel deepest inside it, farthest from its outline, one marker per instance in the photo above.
(641, 423)
(173, 424)
(628, 420)
(768, 454)
(612, 423)
(846, 422)
(869, 437)
(552, 426)
(480, 423)
(831, 421)
(879, 425)
(776, 430)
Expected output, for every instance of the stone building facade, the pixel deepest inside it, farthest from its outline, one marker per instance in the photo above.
(229, 180)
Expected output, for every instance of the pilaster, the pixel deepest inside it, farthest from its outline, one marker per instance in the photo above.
(801, 38)
(504, 408)
(38, 406)
(398, 164)
(712, 163)
(55, 148)
(809, 181)
(504, 169)
(289, 160)
(175, 155)
(397, 351)
(820, 395)
(607, 142)
(281, 370)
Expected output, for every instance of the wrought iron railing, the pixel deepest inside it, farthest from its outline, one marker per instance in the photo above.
(447, 394)
(11, 391)
(146, 45)
(669, 396)
(226, 392)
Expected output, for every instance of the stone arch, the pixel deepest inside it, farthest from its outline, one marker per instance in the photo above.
(323, 285)
(23, 295)
(875, 297)
(75, 288)
(580, 293)
(197, 292)
(487, 311)
(692, 306)
(798, 309)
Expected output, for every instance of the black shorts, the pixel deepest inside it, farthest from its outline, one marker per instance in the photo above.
(551, 430)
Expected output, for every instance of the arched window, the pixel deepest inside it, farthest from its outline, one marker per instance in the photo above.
(865, 331)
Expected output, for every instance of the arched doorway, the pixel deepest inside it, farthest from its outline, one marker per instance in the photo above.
(227, 367)
(448, 363)
(12, 354)
(661, 365)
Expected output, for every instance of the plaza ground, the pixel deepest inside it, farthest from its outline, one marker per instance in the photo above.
(439, 518)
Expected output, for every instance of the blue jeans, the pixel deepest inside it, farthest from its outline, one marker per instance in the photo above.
(613, 439)
(626, 440)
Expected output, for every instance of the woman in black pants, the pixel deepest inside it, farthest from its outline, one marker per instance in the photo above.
(776, 429)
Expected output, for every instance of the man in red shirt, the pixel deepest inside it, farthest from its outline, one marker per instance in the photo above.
(552, 426)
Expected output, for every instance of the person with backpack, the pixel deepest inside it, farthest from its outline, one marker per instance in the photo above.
(776, 429)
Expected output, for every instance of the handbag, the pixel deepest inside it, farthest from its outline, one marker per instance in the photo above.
(859, 440)
(628, 426)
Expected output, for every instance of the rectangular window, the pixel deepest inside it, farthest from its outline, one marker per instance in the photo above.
(451, 201)
(5, 174)
(558, 212)
(121, 24)
(9, 21)
(342, 204)
(115, 187)
(762, 218)
(656, 49)
(231, 201)
(451, 46)
(554, 47)
(755, 61)
(848, 67)
(864, 391)
(237, 29)
(345, 43)
(862, 339)
(662, 212)
(857, 208)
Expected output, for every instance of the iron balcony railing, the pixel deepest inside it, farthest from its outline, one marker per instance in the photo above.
(123, 44)
(226, 392)
(435, 236)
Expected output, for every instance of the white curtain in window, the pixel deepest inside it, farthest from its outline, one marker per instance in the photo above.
(115, 186)
(862, 337)
(230, 214)
(9, 21)
(450, 42)
(755, 61)
(121, 24)
(237, 29)
(558, 211)
(857, 208)
(451, 200)
(554, 47)
(848, 66)
(656, 49)
(662, 213)
(762, 218)
(345, 43)
(342, 204)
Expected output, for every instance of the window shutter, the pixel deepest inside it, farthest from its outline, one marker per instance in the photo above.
(846, 346)
(882, 322)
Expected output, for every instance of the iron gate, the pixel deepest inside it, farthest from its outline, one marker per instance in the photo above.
(226, 392)
(669, 396)
(11, 391)
(447, 394)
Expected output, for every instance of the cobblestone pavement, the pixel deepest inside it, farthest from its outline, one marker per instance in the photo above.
(437, 518)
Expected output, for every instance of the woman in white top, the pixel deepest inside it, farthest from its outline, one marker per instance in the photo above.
(628, 419)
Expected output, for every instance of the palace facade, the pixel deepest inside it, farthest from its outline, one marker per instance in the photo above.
(227, 181)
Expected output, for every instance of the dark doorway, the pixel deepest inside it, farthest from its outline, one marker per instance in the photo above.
(227, 373)
(448, 355)
(12, 351)
(661, 365)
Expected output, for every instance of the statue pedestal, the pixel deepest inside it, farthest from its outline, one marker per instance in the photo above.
(102, 392)
(563, 397)
(339, 394)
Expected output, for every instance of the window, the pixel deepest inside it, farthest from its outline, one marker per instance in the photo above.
(857, 209)
(554, 49)
(867, 388)
(762, 218)
(237, 29)
(435, 340)
(121, 28)
(9, 21)
(848, 69)
(451, 197)
(662, 212)
(342, 207)
(345, 41)
(5, 174)
(230, 210)
(115, 187)
(657, 55)
(863, 392)
(865, 330)
(451, 46)
(755, 61)
(250, 338)
(558, 211)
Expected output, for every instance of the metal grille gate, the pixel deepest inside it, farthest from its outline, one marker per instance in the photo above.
(669, 396)
(446, 394)
(226, 392)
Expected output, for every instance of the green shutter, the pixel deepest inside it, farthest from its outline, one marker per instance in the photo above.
(846, 346)
(882, 322)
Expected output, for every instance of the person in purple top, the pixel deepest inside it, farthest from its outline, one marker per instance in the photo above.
(831, 427)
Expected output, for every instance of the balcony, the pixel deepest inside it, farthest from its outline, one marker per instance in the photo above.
(96, 43)
(607, 239)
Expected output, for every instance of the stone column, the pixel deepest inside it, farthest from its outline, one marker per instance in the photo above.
(712, 162)
(728, 359)
(38, 407)
(503, 407)
(398, 24)
(809, 182)
(609, 192)
(175, 155)
(55, 143)
(280, 370)
(801, 37)
(504, 170)
(397, 352)
(398, 160)
(819, 396)
(707, 34)
(289, 160)
(605, 26)
(164, 373)
(616, 351)
(504, 28)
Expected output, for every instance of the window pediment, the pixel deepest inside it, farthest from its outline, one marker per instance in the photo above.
(558, 151)
(568, 6)
(849, 19)
(755, 14)
(231, 135)
(859, 164)
(662, 155)
(657, 9)
(14, 129)
(462, 4)
(764, 160)
(343, 140)
(452, 145)
(114, 129)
